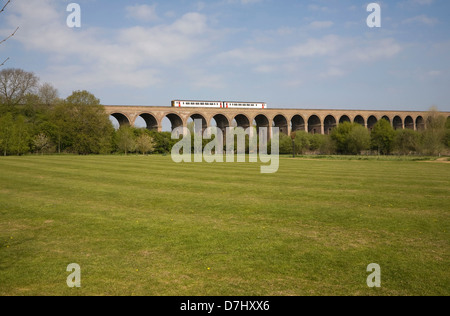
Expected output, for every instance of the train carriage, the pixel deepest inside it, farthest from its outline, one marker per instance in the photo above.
(196, 104)
(218, 104)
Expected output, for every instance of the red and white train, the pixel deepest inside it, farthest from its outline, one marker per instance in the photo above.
(218, 104)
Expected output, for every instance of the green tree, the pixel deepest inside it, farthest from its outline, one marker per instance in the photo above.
(302, 142)
(6, 133)
(145, 144)
(285, 144)
(433, 137)
(447, 133)
(406, 141)
(163, 141)
(358, 139)
(350, 138)
(316, 141)
(125, 140)
(20, 142)
(382, 137)
(81, 125)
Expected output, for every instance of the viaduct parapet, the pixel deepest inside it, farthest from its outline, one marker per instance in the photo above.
(287, 120)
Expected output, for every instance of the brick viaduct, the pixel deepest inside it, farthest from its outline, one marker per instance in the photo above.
(288, 120)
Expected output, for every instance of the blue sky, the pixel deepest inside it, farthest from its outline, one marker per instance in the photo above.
(290, 54)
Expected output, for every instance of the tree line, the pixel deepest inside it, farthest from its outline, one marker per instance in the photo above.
(354, 139)
(34, 119)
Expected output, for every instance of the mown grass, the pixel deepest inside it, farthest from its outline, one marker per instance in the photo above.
(147, 226)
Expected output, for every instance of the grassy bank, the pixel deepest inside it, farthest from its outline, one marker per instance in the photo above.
(147, 226)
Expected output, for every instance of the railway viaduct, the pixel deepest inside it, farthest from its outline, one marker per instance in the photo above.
(287, 120)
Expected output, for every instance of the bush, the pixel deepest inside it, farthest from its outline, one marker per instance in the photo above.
(406, 141)
(382, 137)
(351, 138)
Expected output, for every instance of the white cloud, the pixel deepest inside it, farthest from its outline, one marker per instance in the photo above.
(327, 45)
(422, 19)
(423, 2)
(332, 72)
(434, 73)
(145, 13)
(133, 56)
(315, 7)
(244, 2)
(320, 24)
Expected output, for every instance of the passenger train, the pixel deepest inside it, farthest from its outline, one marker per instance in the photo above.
(219, 104)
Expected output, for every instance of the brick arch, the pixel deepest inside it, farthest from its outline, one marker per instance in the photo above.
(175, 120)
(397, 122)
(371, 121)
(298, 123)
(282, 123)
(409, 122)
(314, 124)
(344, 118)
(262, 121)
(359, 119)
(420, 123)
(198, 116)
(242, 120)
(329, 123)
(123, 119)
(150, 120)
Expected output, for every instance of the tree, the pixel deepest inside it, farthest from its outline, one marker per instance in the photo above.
(382, 137)
(447, 133)
(163, 141)
(285, 144)
(20, 142)
(15, 84)
(41, 142)
(48, 94)
(350, 138)
(125, 140)
(145, 144)
(433, 136)
(358, 139)
(316, 141)
(6, 133)
(406, 141)
(302, 142)
(82, 125)
(80, 98)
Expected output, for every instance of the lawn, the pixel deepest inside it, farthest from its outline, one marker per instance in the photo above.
(146, 226)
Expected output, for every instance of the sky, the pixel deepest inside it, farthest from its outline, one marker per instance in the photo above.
(314, 54)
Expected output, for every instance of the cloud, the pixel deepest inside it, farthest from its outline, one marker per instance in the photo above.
(144, 13)
(336, 54)
(243, 2)
(422, 2)
(132, 56)
(421, 19)
(434, 73)
(332, 72)
(314, 47)
(315, 7)
(320, 25)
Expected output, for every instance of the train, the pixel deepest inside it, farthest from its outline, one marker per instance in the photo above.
(218, 104)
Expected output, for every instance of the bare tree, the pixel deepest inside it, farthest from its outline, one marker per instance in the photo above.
(15, 84)
(11, 35)
(48, 94)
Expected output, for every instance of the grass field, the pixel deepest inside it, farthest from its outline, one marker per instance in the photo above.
(147, 226)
